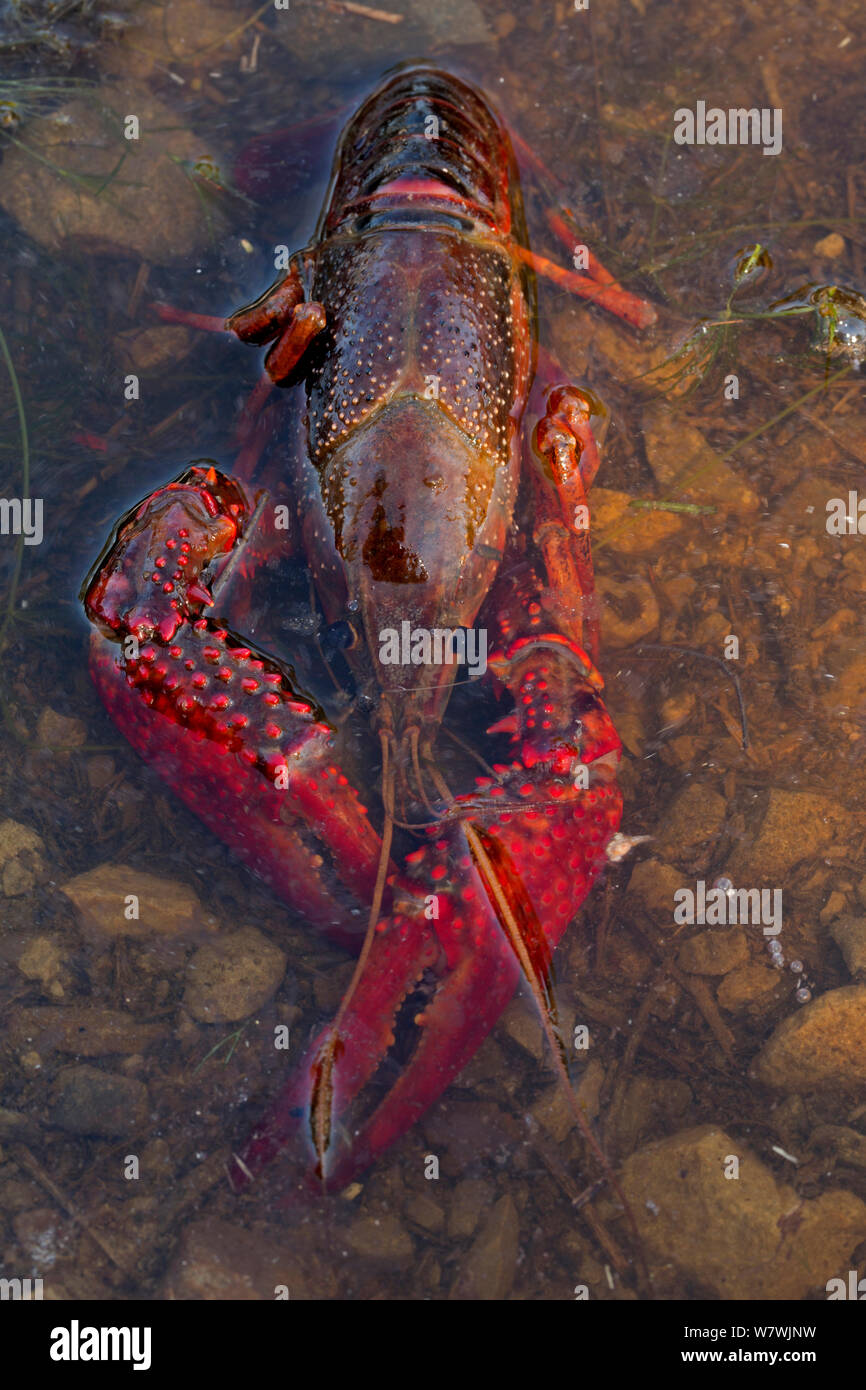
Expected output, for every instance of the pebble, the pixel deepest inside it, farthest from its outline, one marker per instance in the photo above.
(749, 1238)
(153, 349)
(165, 907)
(160, 35)
(849, 933)
(629, 608)
(17, 1127)
(448, 21)
(650, 1104)
(833, 907)
(714, 952)
(691, 824)
(383, 1239)
(21, 858)
(654, 883)
(329, 986)
(467, 1130)
(821, 1045)
(554, 1112)
(83, 1030)
(230, 978)
(631, 530)
(748, 989)
(848, 1145)
(43, 960)
(221, 1261)
(522, 1024)
(845, 695)
(831, 246)
(60, 731)
(100, 770)
(423, 1211)
(796, 825)
(86, 1100)
(38, 1232)
(487, 1271)
(469, 1200)
(677, 709)
(687, 468)
(579, 337)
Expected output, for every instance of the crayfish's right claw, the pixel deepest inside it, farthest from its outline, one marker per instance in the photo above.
(151, 577)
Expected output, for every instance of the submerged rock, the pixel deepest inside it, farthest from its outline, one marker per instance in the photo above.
(821, 1045)
(749, 988)
(116, 900)
(61, 732)
(742, 1237)
(83, 1030)
(75, 181)
(218, 1260)
(21, 858)
(43, 960)
(154, 349)
(714, 952)
(691, 823)
(654, 884)
(685, 466)
(469, 1199)
(229, 979)
(849, 933)
(487, 1272)
(796, 825)
(631, 530)
(89, 1101)
(381, 1238)
(173, 34)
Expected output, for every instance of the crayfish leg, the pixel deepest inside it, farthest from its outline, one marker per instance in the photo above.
(282, 313)
(564, 443)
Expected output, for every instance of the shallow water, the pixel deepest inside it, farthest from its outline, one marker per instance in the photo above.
(735, 423)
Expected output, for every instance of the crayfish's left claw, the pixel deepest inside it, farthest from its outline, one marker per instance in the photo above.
(459, 972)
(321, 1088)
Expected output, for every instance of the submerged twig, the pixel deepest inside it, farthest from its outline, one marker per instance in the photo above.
(666, 647)
(25, 484)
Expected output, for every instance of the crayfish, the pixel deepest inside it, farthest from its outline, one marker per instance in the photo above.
(420, 508)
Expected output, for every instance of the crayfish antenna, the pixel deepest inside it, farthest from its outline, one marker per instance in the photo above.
(322, 1092)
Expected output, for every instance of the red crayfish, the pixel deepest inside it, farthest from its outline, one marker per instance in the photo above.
(421, 512)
